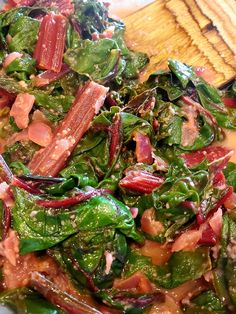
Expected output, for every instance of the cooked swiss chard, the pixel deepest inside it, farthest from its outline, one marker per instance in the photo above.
(115, 196)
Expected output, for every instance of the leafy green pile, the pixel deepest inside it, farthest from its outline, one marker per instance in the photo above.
(169, 123)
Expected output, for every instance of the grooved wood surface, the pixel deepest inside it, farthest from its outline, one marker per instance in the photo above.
(197, 32)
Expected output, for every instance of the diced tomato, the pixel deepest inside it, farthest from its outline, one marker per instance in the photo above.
(21, 108)
(217, 156)
(6, 99)
(50, 161)
(5, 194)
(140, 181)
(40, 133)
(160, 253)
(9, 248)
(51, 42)
(187, 241)
(230, 203)
(11, 57)
(17, 137)
(109, 260)
(229, 102)
(149, 224)
(143, 148)
(138, 282)
(216, 222)
(108, 33)
(207, 74)
(50, 76)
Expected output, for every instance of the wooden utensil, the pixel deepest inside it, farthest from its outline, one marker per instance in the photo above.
(197, 32)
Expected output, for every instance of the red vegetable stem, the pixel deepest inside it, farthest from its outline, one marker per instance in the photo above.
(69, 201)
(140, 181)
(60, 298)
(23, 185)
(115, 138)
(50, 160)
(51, 42)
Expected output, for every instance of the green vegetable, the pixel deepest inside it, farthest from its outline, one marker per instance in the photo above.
(26, 301)
(184, 266)
(23, 66)
(230, 174)
(206, 303)
(11, 16)
(41, 228)
(54, 107)
(88, 249)
(21, 43)
(95, 59)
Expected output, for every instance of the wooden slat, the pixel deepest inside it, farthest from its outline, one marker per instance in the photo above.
(178, 29)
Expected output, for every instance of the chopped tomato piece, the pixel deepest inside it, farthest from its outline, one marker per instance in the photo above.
(40, 133)
(51, 42)
(160, 253)
(50, 161)
(207, 74)
(9, 248)
(11, 57)
(5, 194)
(143, 148)
(229, 102)
(50, 76)
(149, 224)
(216, 222)
(216, 156)
(138, 281)
(21, 108)
(187, 241)
(141, 181)
(230, 203)
(6, 99)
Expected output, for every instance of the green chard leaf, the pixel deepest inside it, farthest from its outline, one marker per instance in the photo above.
(54, 107)
(230, 174)
(24, 64)
(11, 16)
(184, 266)
(26, 301)
(41, 228)
(209, 96)
(96, 59)
(206, 303)
(89, 250)
(18, 30)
